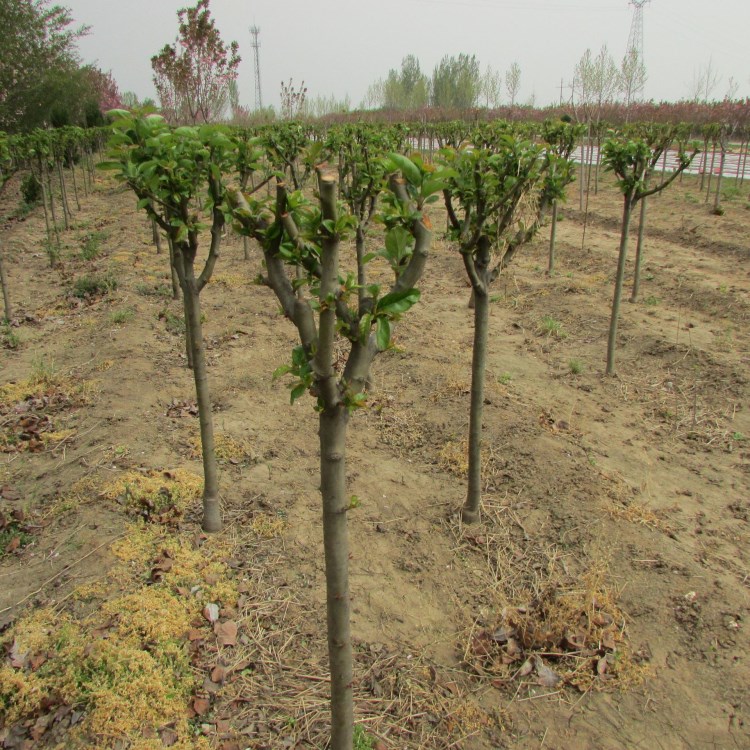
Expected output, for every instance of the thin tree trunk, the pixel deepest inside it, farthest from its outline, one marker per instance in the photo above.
(6, 291)
(639, 253)
(246, 247)
(717, 197)
(63, 195)
(173, 271)
(704, 165)
(470, 510)
(53, 213)
(333, 423)
(332, 433)
(624, 233)
(710, 172)
(75, 186)
(552, 240)
(744, 162)
(156, 236)
(194, 334)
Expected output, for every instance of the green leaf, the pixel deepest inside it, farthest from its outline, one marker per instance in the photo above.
(282, 370)
(408, 169)
(383, 334)
(397, 302)
(297, 391)
(109, 165)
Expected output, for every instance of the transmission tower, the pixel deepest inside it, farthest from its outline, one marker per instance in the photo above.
(635, 47)
(255, 31)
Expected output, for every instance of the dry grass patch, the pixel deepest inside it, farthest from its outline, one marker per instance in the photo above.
(124, 675)
(555, 622)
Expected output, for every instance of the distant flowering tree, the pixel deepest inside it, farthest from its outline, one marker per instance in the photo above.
(105, 89)
(192, 76)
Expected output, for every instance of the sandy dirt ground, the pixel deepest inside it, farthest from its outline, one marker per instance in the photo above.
(628, 496)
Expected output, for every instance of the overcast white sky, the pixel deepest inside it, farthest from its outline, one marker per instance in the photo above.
(339, 47)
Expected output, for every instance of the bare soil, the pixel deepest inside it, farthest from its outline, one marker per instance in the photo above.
(639, 481)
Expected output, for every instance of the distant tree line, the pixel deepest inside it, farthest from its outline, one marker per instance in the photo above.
(455, 83)
(42, 80)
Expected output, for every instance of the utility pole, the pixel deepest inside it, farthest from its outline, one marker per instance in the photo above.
(255, 31)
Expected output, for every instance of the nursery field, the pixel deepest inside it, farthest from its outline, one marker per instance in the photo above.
(615, 518)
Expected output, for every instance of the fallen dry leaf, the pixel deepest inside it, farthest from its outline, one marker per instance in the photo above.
(226, 632)
(211, 612)
(201, 705)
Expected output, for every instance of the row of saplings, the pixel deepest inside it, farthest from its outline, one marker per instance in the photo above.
(195, 181)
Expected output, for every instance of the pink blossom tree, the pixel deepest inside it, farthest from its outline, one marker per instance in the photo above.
(192, 76)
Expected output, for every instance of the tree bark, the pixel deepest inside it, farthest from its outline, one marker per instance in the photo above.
(624, 234)
(63, 195)
(194, 334)
(6, 291)
(332, 434)
(639, 253)
(156, 236)
(552, 240)
(717, 197)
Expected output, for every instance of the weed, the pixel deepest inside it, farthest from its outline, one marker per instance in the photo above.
(652, 301)
(731, 192)
(52, 251)
(362, 740)
(575, 366)
(43, 370)
(504, 378)
(90, 287)
(31, 190)
(92, 245)
(690, 198)
(738, 436)
(649, 277)
(8, 536)
(154, 290)
(118, 317)
(548, 326)
(718, 211)
(9, 339)
(174, 323)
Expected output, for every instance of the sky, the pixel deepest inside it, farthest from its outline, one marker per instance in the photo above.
(340, 47)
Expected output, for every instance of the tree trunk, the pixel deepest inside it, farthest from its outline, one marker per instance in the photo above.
(470, 511)
(6, 291)
(75, 185)
(639, 253)
(624, 233)
(156, 236)
(173, 270)
(54, 215)
(552, 239)
(332, 434)
(717, 197)
(246, 247)
(710, 172)
(194, 334)
(63, 195)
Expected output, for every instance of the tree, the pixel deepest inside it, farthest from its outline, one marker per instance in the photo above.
(483, 199)
(323, 302)
(39, 57)
(632, 77)
(192, 75)
(704, 82)
(491, 87)
(513, 82)
(407, 88)
(292, 100)
(175, 175)
(634, 161)
(456, 82)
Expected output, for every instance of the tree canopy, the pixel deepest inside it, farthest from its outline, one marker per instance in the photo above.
(193, 75)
